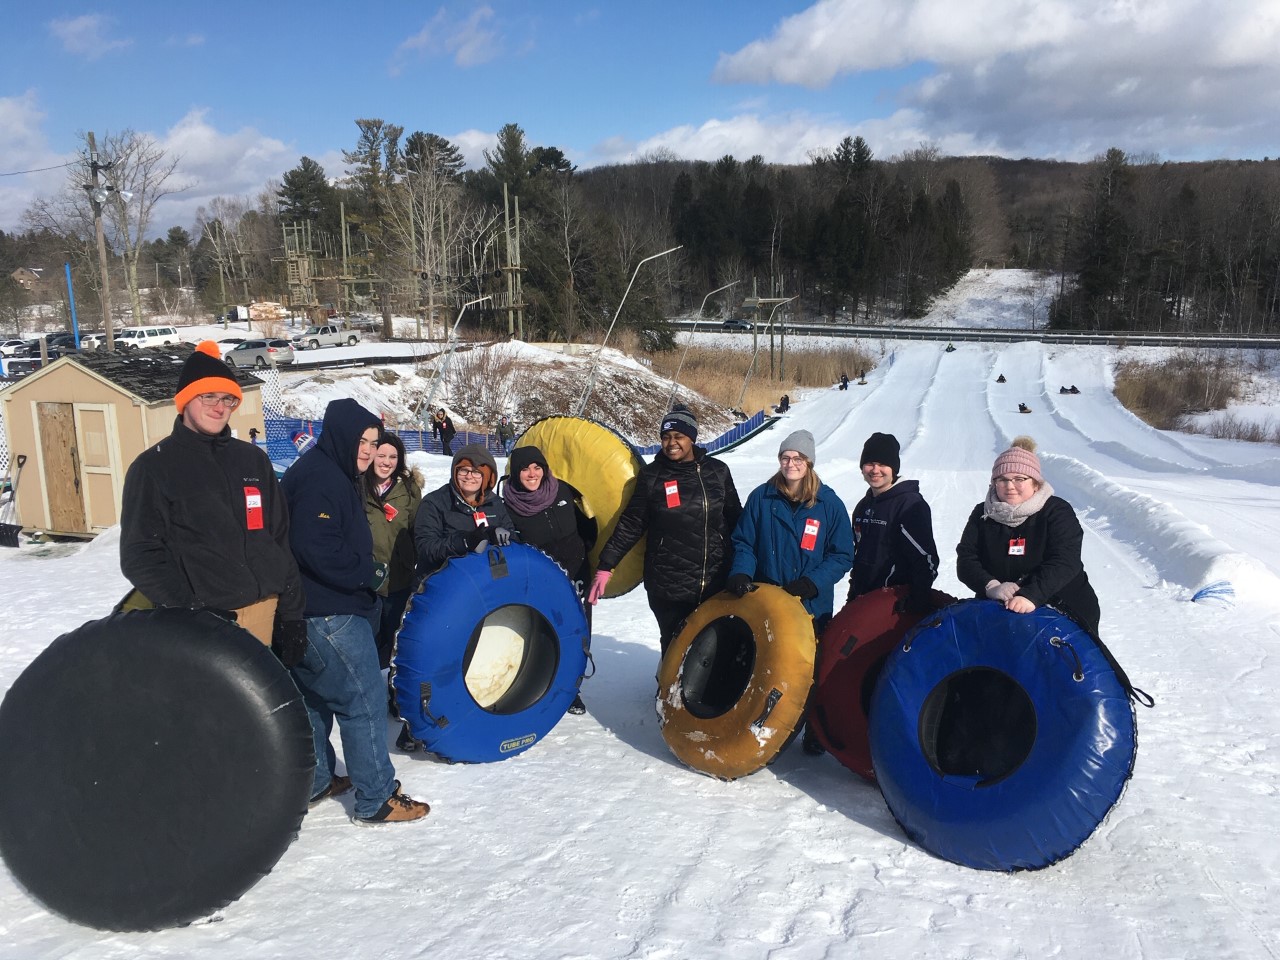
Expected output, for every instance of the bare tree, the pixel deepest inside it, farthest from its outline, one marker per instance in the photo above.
(137, 174)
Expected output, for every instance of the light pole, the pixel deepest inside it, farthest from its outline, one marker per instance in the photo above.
(777, 302)
(591, 379)
(453, 343)
(98, 194)
(675, 379)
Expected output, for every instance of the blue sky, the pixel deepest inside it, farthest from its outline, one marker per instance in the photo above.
(240, 91)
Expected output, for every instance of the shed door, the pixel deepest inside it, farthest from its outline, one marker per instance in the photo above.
(61, 460)
(99, 463)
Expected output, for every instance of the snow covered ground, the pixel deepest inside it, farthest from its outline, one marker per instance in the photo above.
(597, 843)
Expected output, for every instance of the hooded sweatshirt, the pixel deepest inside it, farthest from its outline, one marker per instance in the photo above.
(445, 518)
(328, 530)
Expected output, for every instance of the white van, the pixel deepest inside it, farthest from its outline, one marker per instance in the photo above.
(130, 338)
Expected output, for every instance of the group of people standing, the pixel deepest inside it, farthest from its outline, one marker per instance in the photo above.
(1021, 545)
(321, 566)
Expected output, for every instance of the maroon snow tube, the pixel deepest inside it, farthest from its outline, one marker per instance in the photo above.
(851, 654)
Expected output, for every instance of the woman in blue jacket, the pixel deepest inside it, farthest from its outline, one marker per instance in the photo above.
(794, 532)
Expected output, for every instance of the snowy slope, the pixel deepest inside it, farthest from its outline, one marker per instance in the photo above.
(597, 843)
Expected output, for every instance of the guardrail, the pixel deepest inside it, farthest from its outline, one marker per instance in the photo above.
(1004, 335)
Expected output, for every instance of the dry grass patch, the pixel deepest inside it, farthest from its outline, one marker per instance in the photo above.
(1164, 393)
(718, 372)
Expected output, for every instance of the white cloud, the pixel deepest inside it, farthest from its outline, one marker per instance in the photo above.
(784, 138)
(186, 40)
(469, 42)
(25, 146)
(87, 36)
(1049, 77)
(215, 163)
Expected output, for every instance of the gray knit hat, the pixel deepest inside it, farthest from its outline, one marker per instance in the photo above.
(801, 441)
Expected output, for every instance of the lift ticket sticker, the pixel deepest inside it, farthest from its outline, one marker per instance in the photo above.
(810, 538)
(1018, 547)
(672, 489)
(389, 512)
(480, 518)
(252, 508)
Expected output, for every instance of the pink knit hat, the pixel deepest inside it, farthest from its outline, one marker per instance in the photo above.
(1020, 458)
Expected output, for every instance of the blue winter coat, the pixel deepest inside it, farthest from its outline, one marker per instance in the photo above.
(767, 543)
(328, 530)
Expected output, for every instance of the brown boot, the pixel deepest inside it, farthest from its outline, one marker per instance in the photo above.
(336, 788)
(397, 809)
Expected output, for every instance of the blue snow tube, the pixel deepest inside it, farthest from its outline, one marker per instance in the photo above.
(490, 654)
(1000, 741)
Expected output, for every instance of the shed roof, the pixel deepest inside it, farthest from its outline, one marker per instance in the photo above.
(150, 374)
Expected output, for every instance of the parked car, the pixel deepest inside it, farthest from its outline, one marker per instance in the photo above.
(260, 353)
(31, 348)
(92, 341)
(131, 338)
(326, 335)
(736, 323)
(12, 348)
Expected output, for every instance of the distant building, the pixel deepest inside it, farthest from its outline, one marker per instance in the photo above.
(28, 278)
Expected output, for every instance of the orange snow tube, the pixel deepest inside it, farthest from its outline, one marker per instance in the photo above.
(734, 683)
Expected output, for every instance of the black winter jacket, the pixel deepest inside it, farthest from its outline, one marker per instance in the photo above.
(563, 532)
(690, 527)
(893, 541)
(328, 527)
(203, 524)
(444, 519)
(1049, 571)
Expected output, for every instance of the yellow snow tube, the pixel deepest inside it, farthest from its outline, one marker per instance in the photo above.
(603, 467)
(733, 685)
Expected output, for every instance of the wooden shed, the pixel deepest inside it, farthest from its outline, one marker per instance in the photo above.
(82, 419)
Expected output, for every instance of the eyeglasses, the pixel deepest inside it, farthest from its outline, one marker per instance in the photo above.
(218, 400)
(470, 472)
(1018, 480)
(786, 460)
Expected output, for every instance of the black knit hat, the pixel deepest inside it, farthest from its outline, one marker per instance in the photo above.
(882, 448)
(205, 372)
(682, 420)
(521, 457)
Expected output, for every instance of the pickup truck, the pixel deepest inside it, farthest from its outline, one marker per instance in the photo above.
(329, 335)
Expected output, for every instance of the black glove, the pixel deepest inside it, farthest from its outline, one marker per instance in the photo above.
(739, 585)
(802, 587)
(476, 539)
(500, 536)
(289, 641)
(378, 578)
(918, 602)
(228, 615)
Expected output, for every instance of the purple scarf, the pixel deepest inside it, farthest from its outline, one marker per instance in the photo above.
(526, 503)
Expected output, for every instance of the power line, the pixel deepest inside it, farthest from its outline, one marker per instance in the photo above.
(18, 173)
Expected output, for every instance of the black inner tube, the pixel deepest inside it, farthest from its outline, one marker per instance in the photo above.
(718, 666)
(978, 722)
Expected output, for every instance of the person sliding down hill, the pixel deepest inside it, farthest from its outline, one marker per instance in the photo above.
(892, 529)
(1023, 408)
(1001, 379)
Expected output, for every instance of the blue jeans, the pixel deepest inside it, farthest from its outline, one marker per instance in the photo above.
(339, 677)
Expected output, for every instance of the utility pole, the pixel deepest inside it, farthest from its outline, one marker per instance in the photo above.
(96, 195)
